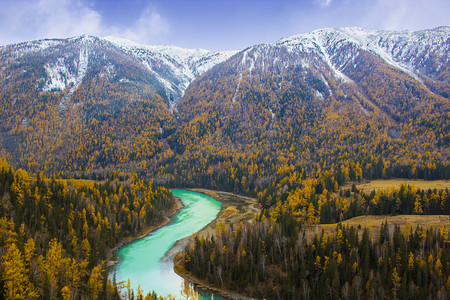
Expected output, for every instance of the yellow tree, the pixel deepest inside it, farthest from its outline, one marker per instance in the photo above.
(312, 219)
(95, 281)
(396, 280)
(418, 206)
(54, 266)
(65, 293)
(29, 251)
(74, 275)
(15, 275)
(189, 292)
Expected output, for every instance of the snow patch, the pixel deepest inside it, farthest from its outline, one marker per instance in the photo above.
(272, 115)
(397, 48)
(241, 67)
(364, 111)
(167, 62)
(58, 76)
(83, 60)
(24, 123)
(237, 90)
(327, 59)
(109, 72)
(319, 95)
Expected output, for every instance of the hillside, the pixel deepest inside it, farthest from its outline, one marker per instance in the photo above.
(336, 104)
(290, 123)
(338, 100)
(85, 102)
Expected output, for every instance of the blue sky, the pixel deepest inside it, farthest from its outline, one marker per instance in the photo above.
(210, 24)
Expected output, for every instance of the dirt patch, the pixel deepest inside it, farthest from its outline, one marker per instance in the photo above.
(235, 209)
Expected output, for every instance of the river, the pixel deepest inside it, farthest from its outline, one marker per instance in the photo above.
(140, 261)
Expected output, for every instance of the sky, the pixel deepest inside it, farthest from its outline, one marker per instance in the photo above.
(217, 25)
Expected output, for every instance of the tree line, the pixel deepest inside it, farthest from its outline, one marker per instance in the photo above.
(55, 234)
(274, 261)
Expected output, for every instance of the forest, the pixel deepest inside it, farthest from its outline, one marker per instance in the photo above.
(85, 167)
(277, 261)
(55, 234)
(279, 256)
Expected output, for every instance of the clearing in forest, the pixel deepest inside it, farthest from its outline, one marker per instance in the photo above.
(385, 184)
(374, 223)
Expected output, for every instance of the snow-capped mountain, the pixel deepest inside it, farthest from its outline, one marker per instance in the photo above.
(409, 51)
(424, 53)
(100, 102)
(169, 69)
(173, 66)
(390, 71)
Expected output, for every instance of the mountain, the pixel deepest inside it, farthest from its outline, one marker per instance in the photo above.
(174, 67)
(337, 54)
(422, 53)
(168, 69)
(360, 104)
(60, 95)
(364, 104)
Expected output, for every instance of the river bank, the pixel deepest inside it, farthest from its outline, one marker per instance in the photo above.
(178, 262)
(140, 261)
(177, 206)
(235, 209)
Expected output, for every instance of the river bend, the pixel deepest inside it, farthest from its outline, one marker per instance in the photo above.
(140, 261)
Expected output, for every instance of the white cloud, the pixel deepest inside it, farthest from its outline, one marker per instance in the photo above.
(407, 14)
(23, 20)
(324, 3)
(149, 28)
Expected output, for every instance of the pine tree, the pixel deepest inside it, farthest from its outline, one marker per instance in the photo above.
(15, 275)
(418, 206)
(95, 281)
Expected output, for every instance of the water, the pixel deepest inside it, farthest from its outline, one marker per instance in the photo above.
(140, 261)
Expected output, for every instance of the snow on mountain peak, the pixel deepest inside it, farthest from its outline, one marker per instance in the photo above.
(173, 68)
(182, 65)
(195, 61)
(397, 48)
(67, 60)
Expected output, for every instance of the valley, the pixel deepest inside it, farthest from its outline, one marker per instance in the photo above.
(329, 151)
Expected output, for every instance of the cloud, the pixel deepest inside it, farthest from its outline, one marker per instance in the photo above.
(149, 28)
(407, 14)
(324, 3)
(23, 20)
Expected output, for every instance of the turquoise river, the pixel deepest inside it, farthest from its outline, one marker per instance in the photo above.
(140, 261)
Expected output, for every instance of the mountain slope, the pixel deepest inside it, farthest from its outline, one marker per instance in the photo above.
(349, 101)
(88, 102)
(362, 103)
(176, 67)
(169, 69)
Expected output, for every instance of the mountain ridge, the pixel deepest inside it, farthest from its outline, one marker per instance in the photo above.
(173, 67)
(182, 65)
(101, 95)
